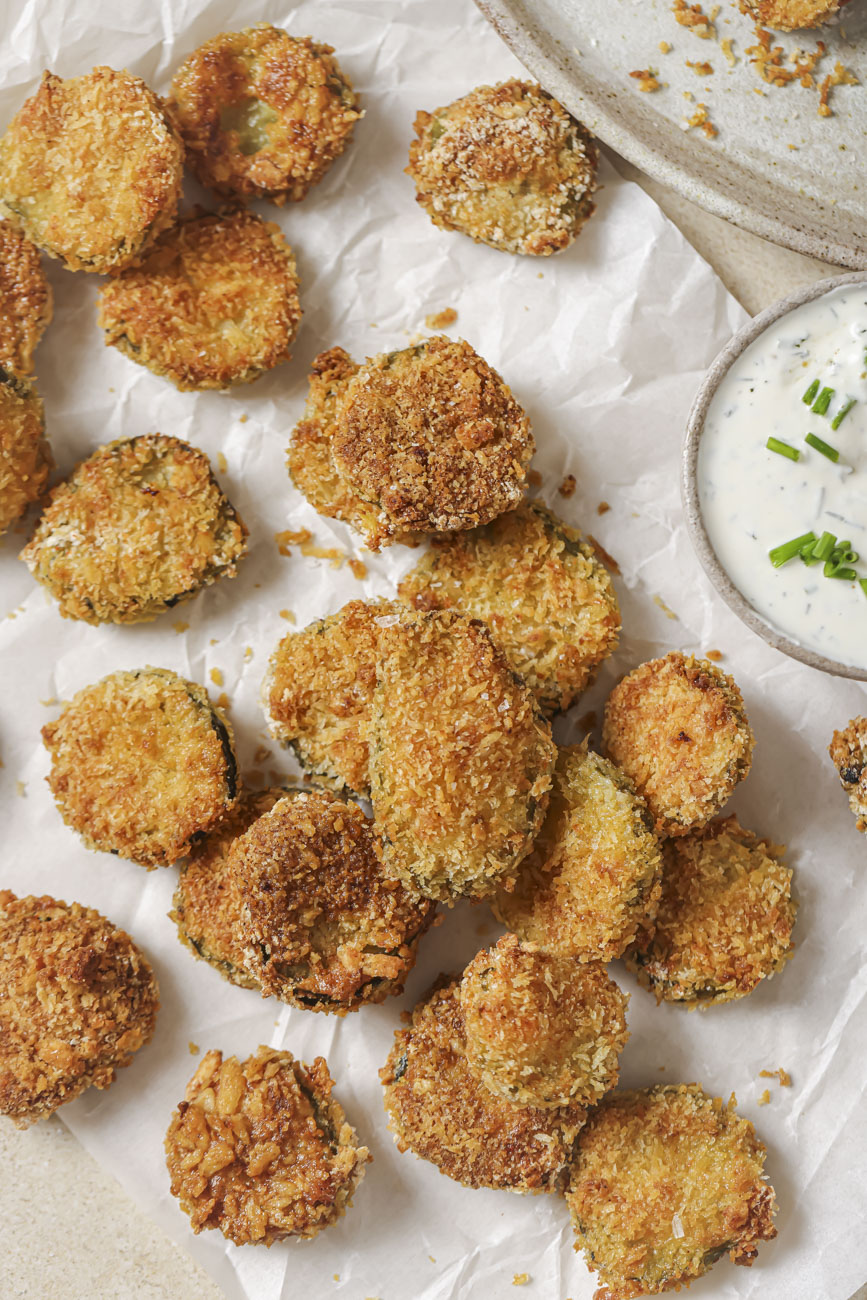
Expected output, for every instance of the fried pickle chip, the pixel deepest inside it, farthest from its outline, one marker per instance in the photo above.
(506, 165)
(78, 999)
(142, 765)
(442, 1112)
(848, 751)
(548, 601)
(91, 169)
(664, 1182)
(263, 114)
(213, 304)
(26, 301)
(139, 526)
(542, 1030)
(324, 928)
(678, 728)
(593, 875)
(25, 457)
(790, 15)
(461, 761)
(261, 1149)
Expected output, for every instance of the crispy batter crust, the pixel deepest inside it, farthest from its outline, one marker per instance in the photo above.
(263, 114)
(678, 728)
(664, 1182)
(541, 590)
(91, 169)
(26, 301)
(77, 999)
(261, 1150)
(593, 876)
(542, 1030)
(142, 765)
(137, 527)
(461, 761)
(848, 751)
(25, 457)
(790, 15)
(506, 165)
(214, 303)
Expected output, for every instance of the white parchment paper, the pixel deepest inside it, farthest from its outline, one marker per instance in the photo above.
(604, 345)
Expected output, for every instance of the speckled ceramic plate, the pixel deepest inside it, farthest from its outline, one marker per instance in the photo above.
(775, 167)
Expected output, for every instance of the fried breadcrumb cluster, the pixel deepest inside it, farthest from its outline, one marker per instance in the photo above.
(848, 752)
(26, 301)
(791, 15)
(25, 457)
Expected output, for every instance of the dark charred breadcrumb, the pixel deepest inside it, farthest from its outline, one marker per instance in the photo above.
(25, 457)
(664, 1182)
(441, 1112)
(677, 727)
(506, 165)
(77, 999)
(791, 15)
(539, 587)
(142, 765)
(261, 1150)
(91, 169)
(139, 526)
(26, 301)
(848, 751)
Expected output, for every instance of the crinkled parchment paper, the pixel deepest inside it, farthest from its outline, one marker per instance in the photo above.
(604, 345)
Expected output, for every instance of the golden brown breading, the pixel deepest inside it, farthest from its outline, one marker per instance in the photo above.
(506, 165)
(790, 15)
(542, 1030)
(664, 1181)
(26, 301)
(25, 457)
(214, 303)
(263, 114)
(139, 526)
(261, 1150)
(461, 761)
(142, 765)
(541, 590)
(848, 751)
(593, 876)
(91, 169)
(678, 728)
(323, 927)
(441, 1112)
(724, 921)
(77, 999)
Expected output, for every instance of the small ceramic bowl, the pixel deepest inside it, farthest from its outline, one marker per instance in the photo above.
(689, 485)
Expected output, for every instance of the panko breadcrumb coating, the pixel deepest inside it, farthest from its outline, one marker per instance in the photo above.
(26, 301)
(664, 1182)
(542, 1030)
(724, 921)
(139, 526)
(91, 169)
(142, 765)
(506, 165)
(213, 304)
(548, 601)
(677, 727)
(790, 15)
(461, 761)
(593, 876)
(263, 114)
(441, 1112)
(848, 751)
(25, 457)
(261, 1150)
(77, 999)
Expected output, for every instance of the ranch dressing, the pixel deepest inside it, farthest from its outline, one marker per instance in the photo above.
(753, 499)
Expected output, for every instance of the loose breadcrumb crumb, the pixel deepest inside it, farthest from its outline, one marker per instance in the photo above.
(728, 51)
(180, 627)
(440, 320)
(694, 17)
(715, 655)
(286, 540)
(667, 611)
(568, 486)
(700, 69)
(193, 1048)
(288, 615)
(520, 1279)
(359, 569)
(764, 1098)
(333, 553)
(222, 463)
(841, 76)
(782, 1075)
(700, 119)
(216, 676)
(223, 701)
(603, 508)
(646, 78)
(664, 47)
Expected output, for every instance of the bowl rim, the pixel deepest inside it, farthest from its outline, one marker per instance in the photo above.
(720, 579)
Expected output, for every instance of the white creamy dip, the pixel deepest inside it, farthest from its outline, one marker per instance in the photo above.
(753, 500)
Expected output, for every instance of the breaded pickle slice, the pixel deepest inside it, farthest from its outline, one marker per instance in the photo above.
(26, 301)
(791, 15)
(664, 1182)
(593, 875)
(142, 765)
(677, 727)
(137, 527)
(261, 1150)
(263, 114)
(77, 999)
(441, 1112)
(324, 927)
(91, 169)
(213, 304)
(539, 587)
(506, 165)
(724, 921)
(848, 751)
(25, 457)
(461, 761)
(542, 1030)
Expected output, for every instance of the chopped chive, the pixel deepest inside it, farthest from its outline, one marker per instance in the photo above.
(808, 554)
(811, 392)
(824, 547)
(788, 550)
(783, 449)
(839, 572)
(862, 583)
(823, 401)
(843, 412)
(825, 448)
